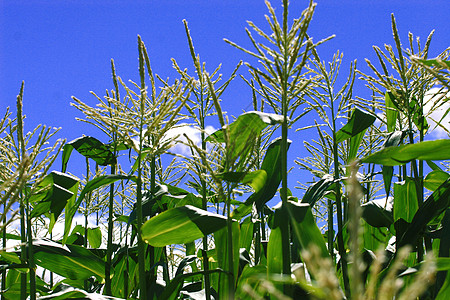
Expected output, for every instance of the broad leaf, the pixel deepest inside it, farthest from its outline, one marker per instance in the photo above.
(394, 156)
(435, 204)
(70, 261)
(272, 165)
(243, 133)
(89, 147)
(181, 225)
(304, 227)
(318, 190)
(378, 213)
(53, 193)
(405, 200)
(94, 236)
(434, 179)
(358, 122)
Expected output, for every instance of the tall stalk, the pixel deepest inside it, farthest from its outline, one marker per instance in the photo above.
(141, 249)
(282, 85)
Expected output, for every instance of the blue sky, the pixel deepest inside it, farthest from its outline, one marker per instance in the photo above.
(63, 48)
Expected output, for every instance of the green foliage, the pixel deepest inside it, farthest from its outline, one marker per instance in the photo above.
(158, 209)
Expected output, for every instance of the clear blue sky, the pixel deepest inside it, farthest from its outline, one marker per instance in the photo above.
(63, 48)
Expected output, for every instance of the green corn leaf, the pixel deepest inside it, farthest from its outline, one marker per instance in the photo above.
(53, 194)
(89, 147)
(318, 190)
(70, 261)
(405, 200)
(243, 133)
(436, 62)
(379, 213)
(391, 111)
(94, 236)
(255, 179)
(304, 227)
(358, 122)
(9, 257)
(433, 206)
(181, 225)
(72, 207)
(271, 164)
(434, 179)
(394, 156)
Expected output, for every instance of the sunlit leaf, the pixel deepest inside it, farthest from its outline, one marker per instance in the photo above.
(304, 227)
(394, 156)
(94, 236)
(70, 261)
(405, 200)
(434, 179)
(181, 225)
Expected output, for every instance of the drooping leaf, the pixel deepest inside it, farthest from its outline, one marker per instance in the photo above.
(72, 207)
(89, 147)
(70, 261)
(304, 227)
(180, 225)
(53, 193)
(394, 156)
(355, 142)
(359, 121)
(56, 192)
(255, 179)
(9, 257)
(318, 190)
(243, 133)
(272, 165)
(379, 213)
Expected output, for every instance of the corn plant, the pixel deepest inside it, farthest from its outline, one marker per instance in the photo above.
(373, 224)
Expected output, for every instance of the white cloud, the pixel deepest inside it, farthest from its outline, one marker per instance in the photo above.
(435, 108)
(193, 133)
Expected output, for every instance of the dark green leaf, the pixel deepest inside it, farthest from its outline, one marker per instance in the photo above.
(435, 204)
(180, 225)
(255, 179)
(318, 190)
(359, 121)
(379, 213)
(304, 227)
(89, 147)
